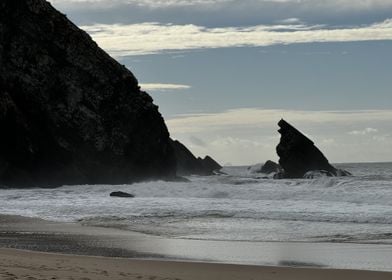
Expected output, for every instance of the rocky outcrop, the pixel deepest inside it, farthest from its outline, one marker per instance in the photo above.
(188, 164)
(69, 113)
(270, 167)
(298, 154)
(208, 163)
(121, 194)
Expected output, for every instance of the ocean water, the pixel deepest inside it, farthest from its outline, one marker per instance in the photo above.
(240, 206)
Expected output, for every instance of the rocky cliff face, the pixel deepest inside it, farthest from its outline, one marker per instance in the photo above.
(69, 113)
(298, 154)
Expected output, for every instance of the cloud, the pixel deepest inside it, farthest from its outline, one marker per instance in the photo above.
(163, 87)
(365, 131)
(249, 135)
(149, 38)
(197, 141)
(254, 117)
(386, 138)
(290, 21)
(219, 13)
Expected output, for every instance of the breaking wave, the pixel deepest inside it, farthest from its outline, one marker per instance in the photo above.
(242, 205)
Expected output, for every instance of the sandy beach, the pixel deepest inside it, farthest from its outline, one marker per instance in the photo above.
(19, 264)
(39, 249)
(32, 234)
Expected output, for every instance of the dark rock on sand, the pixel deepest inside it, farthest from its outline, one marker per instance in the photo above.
(69, 113)
(298, 154)
(270, 167)
(121, 194)
(188, 164)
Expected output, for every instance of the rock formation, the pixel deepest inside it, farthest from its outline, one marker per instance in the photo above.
(121, 194)
(298, 154)
(69, 113)
(209, 164)
(270, 167)
(188, 164)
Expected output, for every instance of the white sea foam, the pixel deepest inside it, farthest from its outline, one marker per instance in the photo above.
(238, 206)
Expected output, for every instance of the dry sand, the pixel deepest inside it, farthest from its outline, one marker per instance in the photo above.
(18, 264)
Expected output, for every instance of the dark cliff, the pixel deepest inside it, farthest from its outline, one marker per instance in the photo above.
(69, 113)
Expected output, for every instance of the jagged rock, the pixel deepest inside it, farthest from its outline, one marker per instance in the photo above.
(208, 163)
(270, 167)
(69, 113)
(298, 154)
(121, 194)
(188, 164)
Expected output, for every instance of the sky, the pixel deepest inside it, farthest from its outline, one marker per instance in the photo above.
(224, 72)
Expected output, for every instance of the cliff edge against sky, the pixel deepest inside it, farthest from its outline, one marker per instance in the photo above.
(69, 113)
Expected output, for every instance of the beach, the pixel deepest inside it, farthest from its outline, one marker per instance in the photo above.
(39, 249)
(235, 226)
(17, 264)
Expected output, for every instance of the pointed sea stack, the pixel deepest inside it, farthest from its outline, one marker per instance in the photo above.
(298, 154)
(69, 113)
(188, 164)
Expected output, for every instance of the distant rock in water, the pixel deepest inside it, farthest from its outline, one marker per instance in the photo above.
(270, 167)
(121, 194)
(188, 164)
(69, 113)
(298, 155)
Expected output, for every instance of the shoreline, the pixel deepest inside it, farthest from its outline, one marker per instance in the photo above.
(35, 234)
(20, 264)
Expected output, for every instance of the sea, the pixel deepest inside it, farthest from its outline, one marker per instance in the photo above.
(240, 205)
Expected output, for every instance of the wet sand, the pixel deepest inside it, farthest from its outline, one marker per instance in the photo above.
(16, 264)
(19, 236)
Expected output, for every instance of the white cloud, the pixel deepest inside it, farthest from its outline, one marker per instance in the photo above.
(149, 38)
(382, 138)
(290, 21)
(163, 87)
(365, 131)
(254, 117)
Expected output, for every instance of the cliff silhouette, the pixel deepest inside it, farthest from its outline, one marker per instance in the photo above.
(69, 113)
